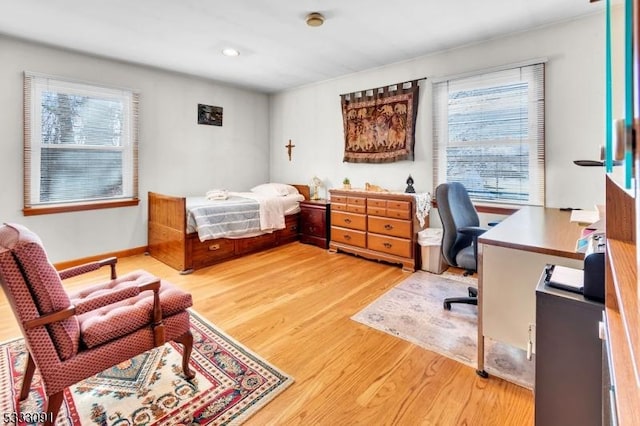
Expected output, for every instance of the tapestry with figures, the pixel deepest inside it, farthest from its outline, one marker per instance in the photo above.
(379, 124)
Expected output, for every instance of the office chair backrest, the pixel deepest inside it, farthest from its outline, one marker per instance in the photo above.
(456, 211)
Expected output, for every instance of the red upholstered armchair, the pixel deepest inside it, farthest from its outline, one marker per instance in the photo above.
(71, 337)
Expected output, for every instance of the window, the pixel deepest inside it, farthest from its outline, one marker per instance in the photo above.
(489, 134)
(80, 146)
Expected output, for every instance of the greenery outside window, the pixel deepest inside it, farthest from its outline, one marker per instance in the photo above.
(80, 145)
(489, 134)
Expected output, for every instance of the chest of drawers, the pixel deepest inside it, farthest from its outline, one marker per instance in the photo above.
(375, 225)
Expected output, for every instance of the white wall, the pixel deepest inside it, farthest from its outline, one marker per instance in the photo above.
(311, 117)
(176, 155)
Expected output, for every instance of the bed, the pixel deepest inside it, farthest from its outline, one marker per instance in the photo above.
(174, 237)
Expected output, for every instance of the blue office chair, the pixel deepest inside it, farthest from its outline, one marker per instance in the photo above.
(461, 228)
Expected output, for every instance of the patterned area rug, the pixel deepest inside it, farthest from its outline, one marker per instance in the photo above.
(231, 383)
(413, 311)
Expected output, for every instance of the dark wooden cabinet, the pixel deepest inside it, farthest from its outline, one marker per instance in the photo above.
(314, 222)
(568, 358)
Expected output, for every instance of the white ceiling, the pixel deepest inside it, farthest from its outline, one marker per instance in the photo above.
(278, 50)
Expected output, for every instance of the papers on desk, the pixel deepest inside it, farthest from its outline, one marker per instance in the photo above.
(564, 278)
(586, 217)
(593, 221)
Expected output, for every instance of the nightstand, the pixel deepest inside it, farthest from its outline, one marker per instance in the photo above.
(314, 222)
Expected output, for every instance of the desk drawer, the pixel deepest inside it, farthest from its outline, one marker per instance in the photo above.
(386, 226)
(349, 236)
(349, 220)
(391, 245)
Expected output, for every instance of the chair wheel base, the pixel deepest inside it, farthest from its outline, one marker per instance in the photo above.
(447, 306)
(482, 373)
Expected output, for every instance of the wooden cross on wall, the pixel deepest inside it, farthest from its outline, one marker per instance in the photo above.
(289, 148)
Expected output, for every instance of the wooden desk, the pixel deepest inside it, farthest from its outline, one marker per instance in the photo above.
(511, 258)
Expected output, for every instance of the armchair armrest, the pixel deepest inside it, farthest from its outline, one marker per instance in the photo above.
(50, 318)
(474, 231)
(88, 267)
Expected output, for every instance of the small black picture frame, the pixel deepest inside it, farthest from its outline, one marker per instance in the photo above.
(211, 115)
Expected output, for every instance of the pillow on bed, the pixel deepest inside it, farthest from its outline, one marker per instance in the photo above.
(275, 189)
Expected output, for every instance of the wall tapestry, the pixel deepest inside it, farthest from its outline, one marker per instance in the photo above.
(379, 124)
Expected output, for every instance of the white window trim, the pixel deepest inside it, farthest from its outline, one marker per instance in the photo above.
(33, 89)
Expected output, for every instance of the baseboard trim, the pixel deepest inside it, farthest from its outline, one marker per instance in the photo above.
(122, 253)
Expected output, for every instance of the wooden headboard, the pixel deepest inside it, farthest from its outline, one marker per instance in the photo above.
(304, 190)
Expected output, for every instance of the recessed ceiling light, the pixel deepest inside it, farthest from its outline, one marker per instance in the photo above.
(229, 51)
(315, 19)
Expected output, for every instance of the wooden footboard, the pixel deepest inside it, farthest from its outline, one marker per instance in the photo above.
(169, 242)
(167, 230)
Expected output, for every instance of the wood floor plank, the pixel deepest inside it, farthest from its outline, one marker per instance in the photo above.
(292, 305)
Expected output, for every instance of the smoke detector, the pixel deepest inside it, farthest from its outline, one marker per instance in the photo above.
(315, 19)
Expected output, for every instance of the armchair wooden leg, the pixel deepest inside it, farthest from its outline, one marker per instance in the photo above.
(28, 376)
(53, 406)
(187, 342)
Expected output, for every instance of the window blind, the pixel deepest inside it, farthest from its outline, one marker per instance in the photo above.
(80, 142)
(489, 134)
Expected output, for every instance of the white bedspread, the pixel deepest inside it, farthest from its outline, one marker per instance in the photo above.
(271, 210)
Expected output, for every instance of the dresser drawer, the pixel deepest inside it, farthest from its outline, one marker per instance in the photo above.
(338, 206)
(349, 236)
(356, 201)
(376, 203)
(313, 222)
(391, 245)
(398, 205)
(340, 199)
(376, 211)
(398, 214)
(348, 220)
(361, 209)
(389, 208)
(387, 226)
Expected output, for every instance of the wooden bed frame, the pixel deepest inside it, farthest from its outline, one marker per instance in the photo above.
(169, 242)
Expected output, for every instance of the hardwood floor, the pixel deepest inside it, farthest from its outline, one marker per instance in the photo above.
(292, 306)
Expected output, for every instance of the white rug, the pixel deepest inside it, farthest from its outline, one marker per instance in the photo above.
(413, 311)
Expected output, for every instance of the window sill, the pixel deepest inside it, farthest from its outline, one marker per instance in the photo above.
(491, 208)
(497, 209)
(65, 208)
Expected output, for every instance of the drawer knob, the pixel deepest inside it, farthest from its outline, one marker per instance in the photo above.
(388, 227)
(214, 247)
(347, 220)
(387, 245)
(347, 237)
